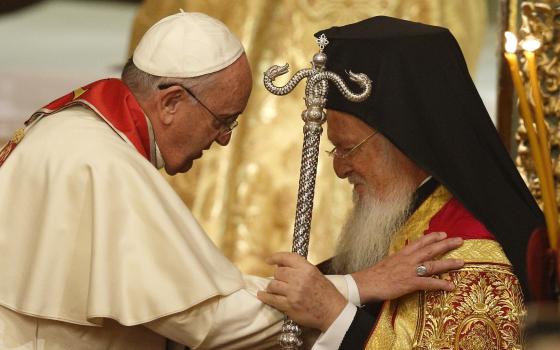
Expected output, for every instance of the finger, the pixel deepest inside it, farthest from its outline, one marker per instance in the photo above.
(278, 302)
(437, 249)
(278, 288)
(428, 283)
(271, 260)
(283, 273)
(437, 267)
(286, 259)
(424, 241)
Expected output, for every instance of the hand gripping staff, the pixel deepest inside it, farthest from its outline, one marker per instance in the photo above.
(314, 116)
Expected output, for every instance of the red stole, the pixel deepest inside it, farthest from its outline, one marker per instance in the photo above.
(112, 101)
(455, 220)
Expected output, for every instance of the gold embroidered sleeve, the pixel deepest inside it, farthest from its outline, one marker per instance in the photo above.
(484, 311)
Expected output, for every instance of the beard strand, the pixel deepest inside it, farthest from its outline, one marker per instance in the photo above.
(370, 228)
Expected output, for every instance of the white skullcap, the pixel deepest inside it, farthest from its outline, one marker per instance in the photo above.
(187, 44)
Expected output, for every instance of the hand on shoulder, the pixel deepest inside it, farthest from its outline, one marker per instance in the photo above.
(396, 275)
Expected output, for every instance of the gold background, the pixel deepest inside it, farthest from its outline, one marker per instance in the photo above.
(244, 195)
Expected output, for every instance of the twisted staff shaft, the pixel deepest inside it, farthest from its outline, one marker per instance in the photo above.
(306, 192)
(291, 332)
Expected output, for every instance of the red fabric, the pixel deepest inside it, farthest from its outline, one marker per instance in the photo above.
(455, 220)
(112, 99)
(6, 150)
(541, 266)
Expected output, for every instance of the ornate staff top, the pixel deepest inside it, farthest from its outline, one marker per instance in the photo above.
(314, 116)
(318, 66)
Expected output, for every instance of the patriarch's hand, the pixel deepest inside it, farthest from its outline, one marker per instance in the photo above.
(396, 275)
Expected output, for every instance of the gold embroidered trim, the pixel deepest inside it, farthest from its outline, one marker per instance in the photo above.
(9, 147)
(418, 222)
(78, 92)
(484, 311)
(18, 135)
(383, 334)
(479, 251)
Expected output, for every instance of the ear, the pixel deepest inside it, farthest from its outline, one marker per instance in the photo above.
(170, 99)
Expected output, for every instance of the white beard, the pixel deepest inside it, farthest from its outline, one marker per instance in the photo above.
(370, 227)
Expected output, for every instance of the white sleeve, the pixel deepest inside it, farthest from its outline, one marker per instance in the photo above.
(236, 321)
(353, 291)
(341, 284)
(332, 338)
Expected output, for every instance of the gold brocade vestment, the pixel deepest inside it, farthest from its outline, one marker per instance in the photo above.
(484, 312)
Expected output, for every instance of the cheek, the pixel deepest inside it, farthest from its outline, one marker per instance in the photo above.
(374, 170)
(180, 144)
(369, 173)
(189, 133)
(192, 142)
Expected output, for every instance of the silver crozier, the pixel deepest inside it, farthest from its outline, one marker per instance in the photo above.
(314, 116)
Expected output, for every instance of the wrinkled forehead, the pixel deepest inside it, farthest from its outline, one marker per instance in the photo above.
(230, 88)
(343, 126)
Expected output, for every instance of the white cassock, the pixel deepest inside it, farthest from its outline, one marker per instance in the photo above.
(98, 252)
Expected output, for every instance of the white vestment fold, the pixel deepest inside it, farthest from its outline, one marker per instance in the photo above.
(91, 230)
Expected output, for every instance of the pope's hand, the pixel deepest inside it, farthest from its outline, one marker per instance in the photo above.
(396, 275)
(302, 292)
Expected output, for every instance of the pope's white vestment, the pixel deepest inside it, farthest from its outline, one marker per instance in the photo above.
(98, 252)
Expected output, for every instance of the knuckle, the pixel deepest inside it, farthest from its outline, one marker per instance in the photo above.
(281, 274)
(445, 265)
(295, 301)
(429, 267)
(270, 286)
(448, 244)
(430, 237)
(428, 252)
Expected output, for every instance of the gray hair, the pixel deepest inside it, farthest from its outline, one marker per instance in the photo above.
(143, 84)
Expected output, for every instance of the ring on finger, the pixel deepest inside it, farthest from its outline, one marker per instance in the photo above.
(421, 270)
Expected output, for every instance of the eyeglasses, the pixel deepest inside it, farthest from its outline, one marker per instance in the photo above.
(336, 153)
(224, 125)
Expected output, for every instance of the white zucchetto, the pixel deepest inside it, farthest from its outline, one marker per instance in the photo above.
(185, 45)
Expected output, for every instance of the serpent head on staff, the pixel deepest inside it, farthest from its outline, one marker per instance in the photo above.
(276, 71)
(359, 78)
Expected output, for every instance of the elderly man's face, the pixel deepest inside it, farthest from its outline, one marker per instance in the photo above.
(376, 166)
(197, 121)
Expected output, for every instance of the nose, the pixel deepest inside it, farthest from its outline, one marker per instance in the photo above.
(223, 140)
(341, 167)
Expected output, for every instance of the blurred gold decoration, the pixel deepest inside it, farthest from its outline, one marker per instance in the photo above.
(539, 20)
(244, 195)
(537, 136)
